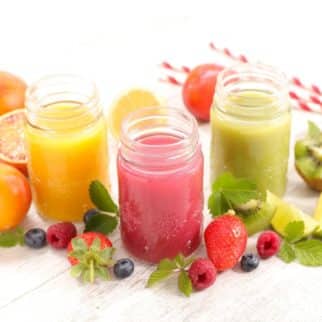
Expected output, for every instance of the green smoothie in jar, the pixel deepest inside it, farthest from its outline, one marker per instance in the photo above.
(251, 122)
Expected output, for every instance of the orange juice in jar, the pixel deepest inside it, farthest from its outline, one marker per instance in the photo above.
(66, 145)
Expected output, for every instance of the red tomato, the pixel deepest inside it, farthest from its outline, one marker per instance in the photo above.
(198, 90)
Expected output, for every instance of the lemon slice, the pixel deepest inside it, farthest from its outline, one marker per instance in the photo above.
(318, 210)
(318, 217)
(130, 101)
(286, 213)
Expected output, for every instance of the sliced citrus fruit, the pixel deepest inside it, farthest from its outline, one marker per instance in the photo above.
(318, 210)
(12, 146)
(286, 213)
(318, 217)
(130, 101)
(15, 197)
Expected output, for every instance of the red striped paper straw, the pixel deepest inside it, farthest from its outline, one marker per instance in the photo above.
(313, 89)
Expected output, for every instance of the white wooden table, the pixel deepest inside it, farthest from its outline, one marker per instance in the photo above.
(36, 284)
(120, 47)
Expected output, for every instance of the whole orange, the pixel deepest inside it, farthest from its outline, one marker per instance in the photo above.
(12, 92)
(15, 197)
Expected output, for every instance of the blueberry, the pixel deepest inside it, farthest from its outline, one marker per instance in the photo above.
(123, 268)
(249, 262)
(35, 238)
(89, 214)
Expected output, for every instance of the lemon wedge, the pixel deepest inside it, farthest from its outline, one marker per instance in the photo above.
(128, 102)
(318, 217)
(286, 213)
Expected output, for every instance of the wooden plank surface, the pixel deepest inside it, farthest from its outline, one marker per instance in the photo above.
(38, 286)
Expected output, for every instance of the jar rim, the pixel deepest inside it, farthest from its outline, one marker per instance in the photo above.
(260, 79)
(53, 89)
(155, 120)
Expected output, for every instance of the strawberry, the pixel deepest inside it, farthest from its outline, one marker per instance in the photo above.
(226, 239)
(90, 254)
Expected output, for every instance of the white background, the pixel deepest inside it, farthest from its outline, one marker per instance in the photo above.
(119, 44)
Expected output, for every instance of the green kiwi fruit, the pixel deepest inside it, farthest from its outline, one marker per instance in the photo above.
(308, 157)
(256, 215)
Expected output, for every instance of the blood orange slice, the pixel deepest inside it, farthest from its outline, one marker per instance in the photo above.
(12, 144)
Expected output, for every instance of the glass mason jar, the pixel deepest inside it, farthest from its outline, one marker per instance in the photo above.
(160, 173)
(66, 145)
(250, 123)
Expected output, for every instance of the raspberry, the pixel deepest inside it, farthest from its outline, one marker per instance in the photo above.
(226, 239)
(59, 235)
(268, 244)
(202, 273)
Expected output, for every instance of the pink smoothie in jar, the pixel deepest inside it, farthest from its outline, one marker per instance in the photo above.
(160, 173)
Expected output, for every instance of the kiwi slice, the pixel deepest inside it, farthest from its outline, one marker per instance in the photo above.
(308, 157)
(256, 215)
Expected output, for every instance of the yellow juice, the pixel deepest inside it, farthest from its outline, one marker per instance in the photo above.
(66, 151)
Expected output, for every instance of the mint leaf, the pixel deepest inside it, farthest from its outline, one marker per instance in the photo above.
(294, 231)
(180, 260)
(286, 252)
(314, 132)
(167, 264)
(166, 267)
(12, 238)
(184, 283)
(188, 261)
(217, 204)
(309, 252)
(101, 223)
(101, 197)
(158, 275)
(229, 192)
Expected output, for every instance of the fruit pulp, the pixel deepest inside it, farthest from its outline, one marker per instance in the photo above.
(161, 208)
(255, 150)
(64, 156)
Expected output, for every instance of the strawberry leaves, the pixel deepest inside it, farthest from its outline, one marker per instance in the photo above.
(177, 266)
(106, 219)
(93, 261)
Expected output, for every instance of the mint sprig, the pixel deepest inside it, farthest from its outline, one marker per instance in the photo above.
(307, 252)
(12, 238)
(294, 231)
(286, 252)
(229, 192)
(168, 267)
(106, 219)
